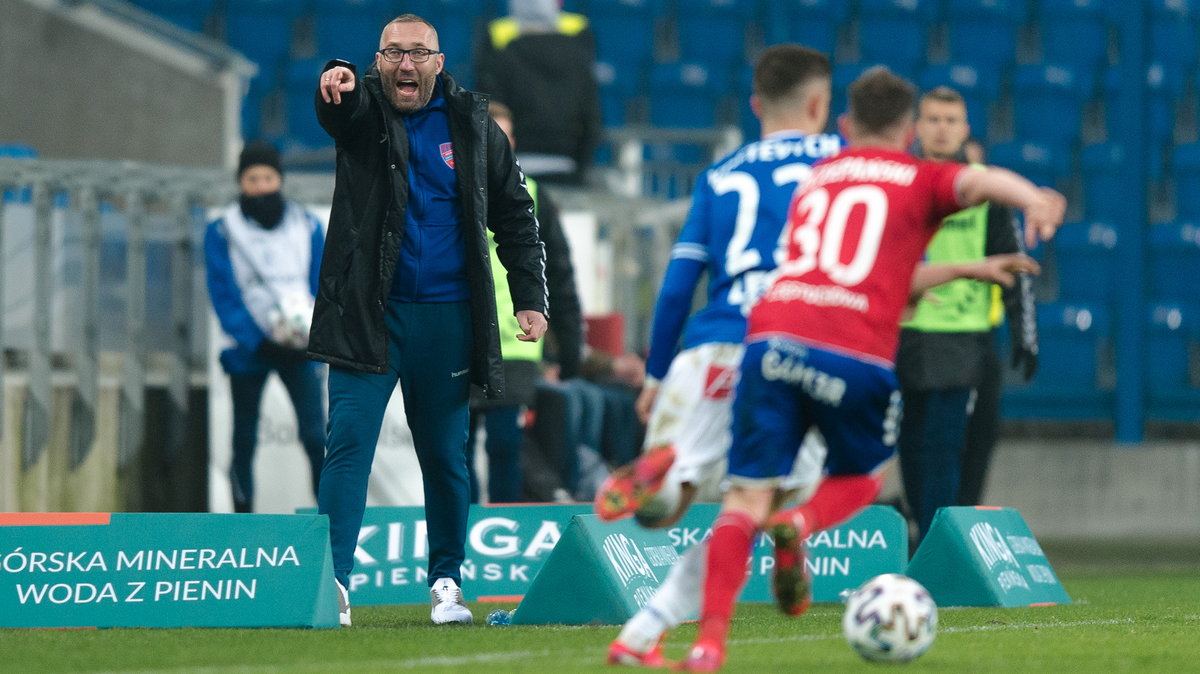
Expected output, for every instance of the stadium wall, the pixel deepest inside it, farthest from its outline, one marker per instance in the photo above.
(86, 84)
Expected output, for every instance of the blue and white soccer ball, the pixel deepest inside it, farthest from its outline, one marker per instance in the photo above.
(890, 618)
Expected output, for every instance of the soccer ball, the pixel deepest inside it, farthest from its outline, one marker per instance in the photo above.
(890, 618)
(291, 320)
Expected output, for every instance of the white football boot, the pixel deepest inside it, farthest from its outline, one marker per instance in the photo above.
(448, 604)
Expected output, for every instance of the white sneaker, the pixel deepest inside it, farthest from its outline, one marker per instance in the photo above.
(343, 605)
(448, 604)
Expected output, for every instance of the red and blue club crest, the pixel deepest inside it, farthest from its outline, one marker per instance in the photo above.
(447, 150)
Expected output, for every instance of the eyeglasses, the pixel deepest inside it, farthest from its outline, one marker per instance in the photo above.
(395, 55)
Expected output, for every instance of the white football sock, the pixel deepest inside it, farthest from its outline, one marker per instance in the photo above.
(676, 600)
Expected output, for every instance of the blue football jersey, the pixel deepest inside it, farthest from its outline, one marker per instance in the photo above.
(733, 231)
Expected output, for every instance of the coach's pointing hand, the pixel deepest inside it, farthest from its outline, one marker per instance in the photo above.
(333, 82)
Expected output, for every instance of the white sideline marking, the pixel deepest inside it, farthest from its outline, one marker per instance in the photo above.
(597, 658)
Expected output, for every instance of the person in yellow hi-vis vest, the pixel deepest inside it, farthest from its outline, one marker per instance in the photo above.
(502, 418)
(539, 61)
(947, 358)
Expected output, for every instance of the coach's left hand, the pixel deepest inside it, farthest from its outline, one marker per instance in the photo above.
(533, 325)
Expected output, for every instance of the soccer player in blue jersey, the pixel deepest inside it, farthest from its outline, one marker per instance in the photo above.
(732, 233)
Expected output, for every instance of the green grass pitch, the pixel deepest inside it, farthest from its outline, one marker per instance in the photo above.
(1137, 609)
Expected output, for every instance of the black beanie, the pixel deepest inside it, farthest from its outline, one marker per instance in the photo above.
(259, 152)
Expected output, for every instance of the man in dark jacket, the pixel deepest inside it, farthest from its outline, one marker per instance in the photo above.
(406, 290)
(540, 61)
(947, 349)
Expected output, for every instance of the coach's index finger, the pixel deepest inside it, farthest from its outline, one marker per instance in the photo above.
(333, 82)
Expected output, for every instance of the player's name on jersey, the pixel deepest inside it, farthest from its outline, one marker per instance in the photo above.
(778, 149)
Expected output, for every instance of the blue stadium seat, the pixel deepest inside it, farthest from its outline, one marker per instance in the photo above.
(984, 32)
(1185, 163)
(979, 87)
(1103, 184)
(713, 31)
(459, 29)
(1074, 32)
(17, 151)
(1048, 102)
(1043, 164)
(1085, 256)
(303, 130)
(895, 33)
(1172, 374)
(843, 75)
(349, 29)
(1174, 261)
(1076, 374)
(686, 94)
(812, 23)
(618, 89)
(625, 30)
(1173, 33)
(262, 31)
(1165, 87)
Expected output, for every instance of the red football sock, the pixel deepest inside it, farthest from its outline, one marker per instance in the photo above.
(733, 534)
(836, 500)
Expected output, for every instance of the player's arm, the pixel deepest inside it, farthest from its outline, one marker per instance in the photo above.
(1043, 207)
(1000, 269)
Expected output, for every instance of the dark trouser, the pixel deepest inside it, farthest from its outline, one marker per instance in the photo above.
(982, 429)
(932, 432)
(303, 384)
(503, 445)
(429, 353)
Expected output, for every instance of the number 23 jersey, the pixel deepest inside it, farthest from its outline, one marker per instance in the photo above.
(855, 233)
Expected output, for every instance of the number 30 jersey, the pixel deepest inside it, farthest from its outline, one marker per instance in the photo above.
(733, 231)
(855, 233)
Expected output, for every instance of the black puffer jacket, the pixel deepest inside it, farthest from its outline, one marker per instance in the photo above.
(363, 243)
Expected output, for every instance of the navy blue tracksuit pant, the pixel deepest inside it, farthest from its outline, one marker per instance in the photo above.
(429, 353)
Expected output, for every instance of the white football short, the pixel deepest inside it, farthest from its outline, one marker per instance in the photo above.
(694, 412)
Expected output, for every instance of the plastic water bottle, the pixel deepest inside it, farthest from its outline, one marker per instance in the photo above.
(499, 618)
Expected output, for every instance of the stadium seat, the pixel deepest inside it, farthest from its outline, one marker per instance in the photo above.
(349, 29)
(1174, 261)
(713, 31)
(303, 130)
(984, 32)
(1185, 164)
(1076, 371)
(1085, 256)
(187, 14)
(979, 87)
(1103, 180)
(686, 94)
(1165, 87)
(1172, 373)
(812, 23)
(625, 30)
(1043, 164)
(262, 31)
(1173, 33)
(895, 33)
(1074, 32)
(617, 91)
(1048, 103)
(459, 30)
(843, 75)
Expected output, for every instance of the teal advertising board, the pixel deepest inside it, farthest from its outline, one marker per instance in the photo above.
(984, 556)
(875, 541)
(506, 547)
(165, 570)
